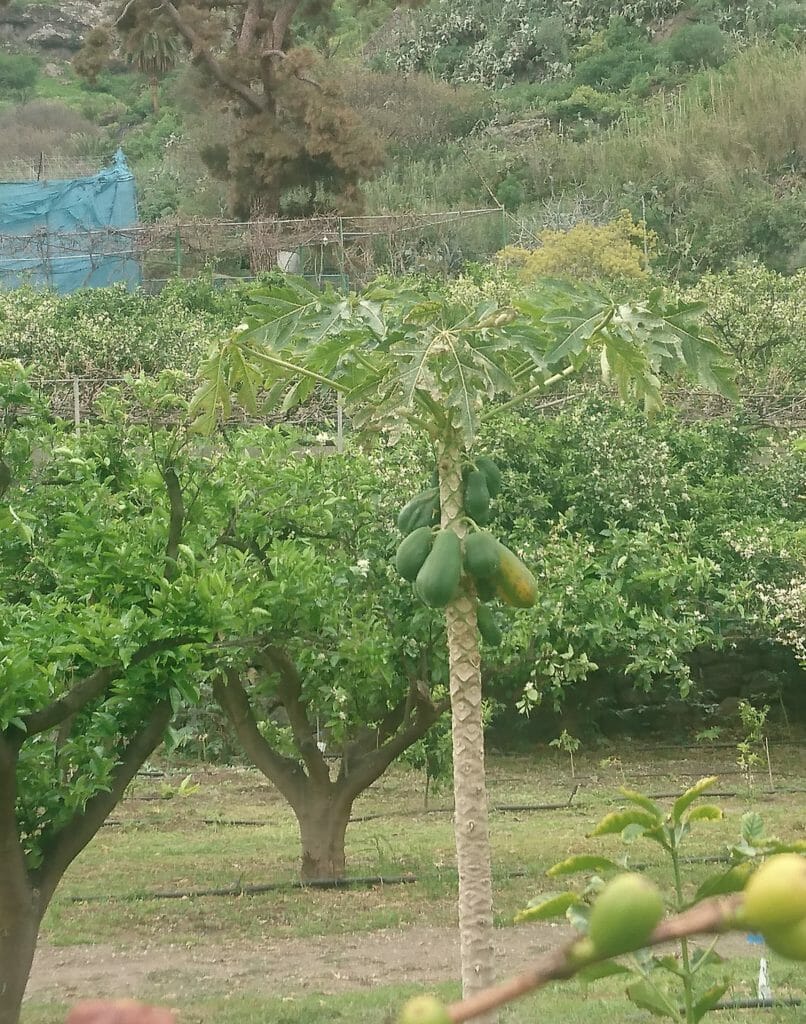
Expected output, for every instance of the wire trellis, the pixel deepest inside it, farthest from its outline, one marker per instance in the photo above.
(339, 250)
(79, 399)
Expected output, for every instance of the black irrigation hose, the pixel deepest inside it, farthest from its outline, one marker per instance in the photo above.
(755, 1004)
(253, 890)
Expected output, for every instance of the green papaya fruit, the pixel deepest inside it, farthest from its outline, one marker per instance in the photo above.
(488, 627)
(492, 474)
(486, 589)
(438, 579)
(482, 555)
(422, 510)
(413, 551)
(477, 497)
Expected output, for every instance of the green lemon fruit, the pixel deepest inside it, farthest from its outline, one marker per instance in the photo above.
(424, 1010)
(624, 915)
(775, 894)
(788, 940)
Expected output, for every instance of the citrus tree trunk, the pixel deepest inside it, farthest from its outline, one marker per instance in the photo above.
(19, 927)
(322, 830)
(470, 790)
(20, 903)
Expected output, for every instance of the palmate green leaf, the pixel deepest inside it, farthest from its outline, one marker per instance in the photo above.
(213, 394)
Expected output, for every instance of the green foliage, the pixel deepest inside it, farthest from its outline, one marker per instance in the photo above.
(18, 73)
(760, 318)
(109, 331)
(662, 983)
(701, 44)
(649, 541)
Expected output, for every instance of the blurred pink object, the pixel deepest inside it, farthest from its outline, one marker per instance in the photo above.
(118, 1011)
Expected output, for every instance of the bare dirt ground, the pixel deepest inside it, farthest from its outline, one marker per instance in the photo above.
(325, 965)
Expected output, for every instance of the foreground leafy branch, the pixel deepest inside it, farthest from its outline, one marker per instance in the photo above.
(714, 916)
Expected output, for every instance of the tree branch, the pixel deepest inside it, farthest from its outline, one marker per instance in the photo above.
(246, 36)
(374, 764)
(93, 685)
(711, 916)
(176, 521)
(11, 856)
(284, 772)
(289, 689)
(71, 840)
(200, 53)
(275, 40)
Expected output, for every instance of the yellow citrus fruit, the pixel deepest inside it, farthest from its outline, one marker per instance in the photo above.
(775, 894)
(788, 940)
(424, 1010)
(624, 915)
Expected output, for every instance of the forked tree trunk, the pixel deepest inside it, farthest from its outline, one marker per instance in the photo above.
(322, 829)
(469, 785)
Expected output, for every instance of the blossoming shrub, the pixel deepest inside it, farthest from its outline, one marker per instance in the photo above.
(586, 252)
(651, 542)
(110, 331)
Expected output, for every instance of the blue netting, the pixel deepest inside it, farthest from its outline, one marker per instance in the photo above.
(57, 233)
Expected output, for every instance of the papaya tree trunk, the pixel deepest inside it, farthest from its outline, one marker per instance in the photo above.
(323, 823)
(470, 790)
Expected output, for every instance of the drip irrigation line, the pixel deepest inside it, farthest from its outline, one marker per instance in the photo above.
(254, 890)
(755, 1004)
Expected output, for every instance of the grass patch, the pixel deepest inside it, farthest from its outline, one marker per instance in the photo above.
(160, 845)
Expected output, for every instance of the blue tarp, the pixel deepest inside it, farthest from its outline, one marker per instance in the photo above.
(57, 233)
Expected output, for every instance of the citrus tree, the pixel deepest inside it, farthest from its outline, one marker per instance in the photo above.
(137, 562)
(101, 628)
(405, 357)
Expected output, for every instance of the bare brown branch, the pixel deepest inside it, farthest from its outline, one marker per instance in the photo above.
(201, 54)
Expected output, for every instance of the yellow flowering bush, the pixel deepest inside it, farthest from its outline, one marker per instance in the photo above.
(586, 252)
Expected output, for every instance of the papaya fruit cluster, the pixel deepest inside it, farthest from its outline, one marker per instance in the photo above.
(774, 904)
(435, 560)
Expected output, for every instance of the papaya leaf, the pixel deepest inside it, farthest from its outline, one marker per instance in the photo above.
(583, 862)
(682, 803)
(709, 999)
(648, 998)
(546, 909)
(617, 821)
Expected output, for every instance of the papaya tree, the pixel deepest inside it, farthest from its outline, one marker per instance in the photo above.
(404, 357)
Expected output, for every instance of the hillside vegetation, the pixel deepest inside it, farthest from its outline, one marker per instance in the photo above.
(689, 115)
